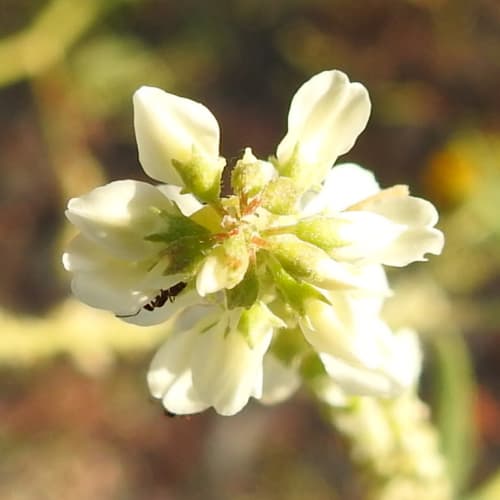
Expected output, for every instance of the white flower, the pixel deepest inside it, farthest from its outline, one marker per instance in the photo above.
(296, 238)
(209, 361)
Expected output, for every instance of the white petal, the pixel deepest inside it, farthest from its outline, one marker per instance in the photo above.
(405, 360)
(419, 216)
(280, 381)
(105, 282)
(226, 371)
(186, 202)
(119, 215)
(327, 114)
(182, 398)
(169, 377)
(344, 329)
(168, 127)
(407, 210)
(399, 369)
(337, 276)
(170, 361)
(344, 185)
(365, 235)
(358, 380)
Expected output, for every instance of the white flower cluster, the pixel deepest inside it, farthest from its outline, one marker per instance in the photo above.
(281, 281)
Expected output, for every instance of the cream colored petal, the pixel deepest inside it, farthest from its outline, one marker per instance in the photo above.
(168, 128)
(358, 380)
(327, 114)
(119, 215)
(399, 368)
(419, 238)
(105, 282)
(344, 185)
(226, 371)
(169, 377)
(342, 330)
(186, 202)
(364, 236)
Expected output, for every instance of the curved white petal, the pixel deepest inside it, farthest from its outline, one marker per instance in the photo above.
(345, 184)
(399, 368)
(345, 329)
(119, 215)
(186, 202)
(327, 114)
(182, 398)
(168, 128)
(169, 376)
(418, 216)
(105, 282)
(226, 370)
(280, 381)
(358, 380)
(406, 358)
(365, 236)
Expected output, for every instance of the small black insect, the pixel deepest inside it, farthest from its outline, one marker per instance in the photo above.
(160, 300)
(165, 295)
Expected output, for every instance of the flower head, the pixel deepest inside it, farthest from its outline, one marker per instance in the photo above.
(250, 286)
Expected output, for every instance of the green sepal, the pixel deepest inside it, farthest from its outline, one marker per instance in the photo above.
(289, 344)
(209, 218)
(297, 257)
(301, 173)
(256, 322)
(201, 176)
(311, 367)
(245, 293)
(177, 227)
(280, 196)
(185, 254)
(292, 291)
(249, 177)
(321, 231)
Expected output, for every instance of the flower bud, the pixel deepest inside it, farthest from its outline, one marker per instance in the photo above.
(309, 263)
(251, 175)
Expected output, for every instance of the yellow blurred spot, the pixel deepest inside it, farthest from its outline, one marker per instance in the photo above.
(449, 178)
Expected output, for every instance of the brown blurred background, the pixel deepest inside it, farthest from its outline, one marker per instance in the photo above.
(75, 417)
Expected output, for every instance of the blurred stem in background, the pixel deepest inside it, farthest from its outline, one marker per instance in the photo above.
(53, 32)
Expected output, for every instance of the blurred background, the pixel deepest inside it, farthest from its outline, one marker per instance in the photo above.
(76, 420)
